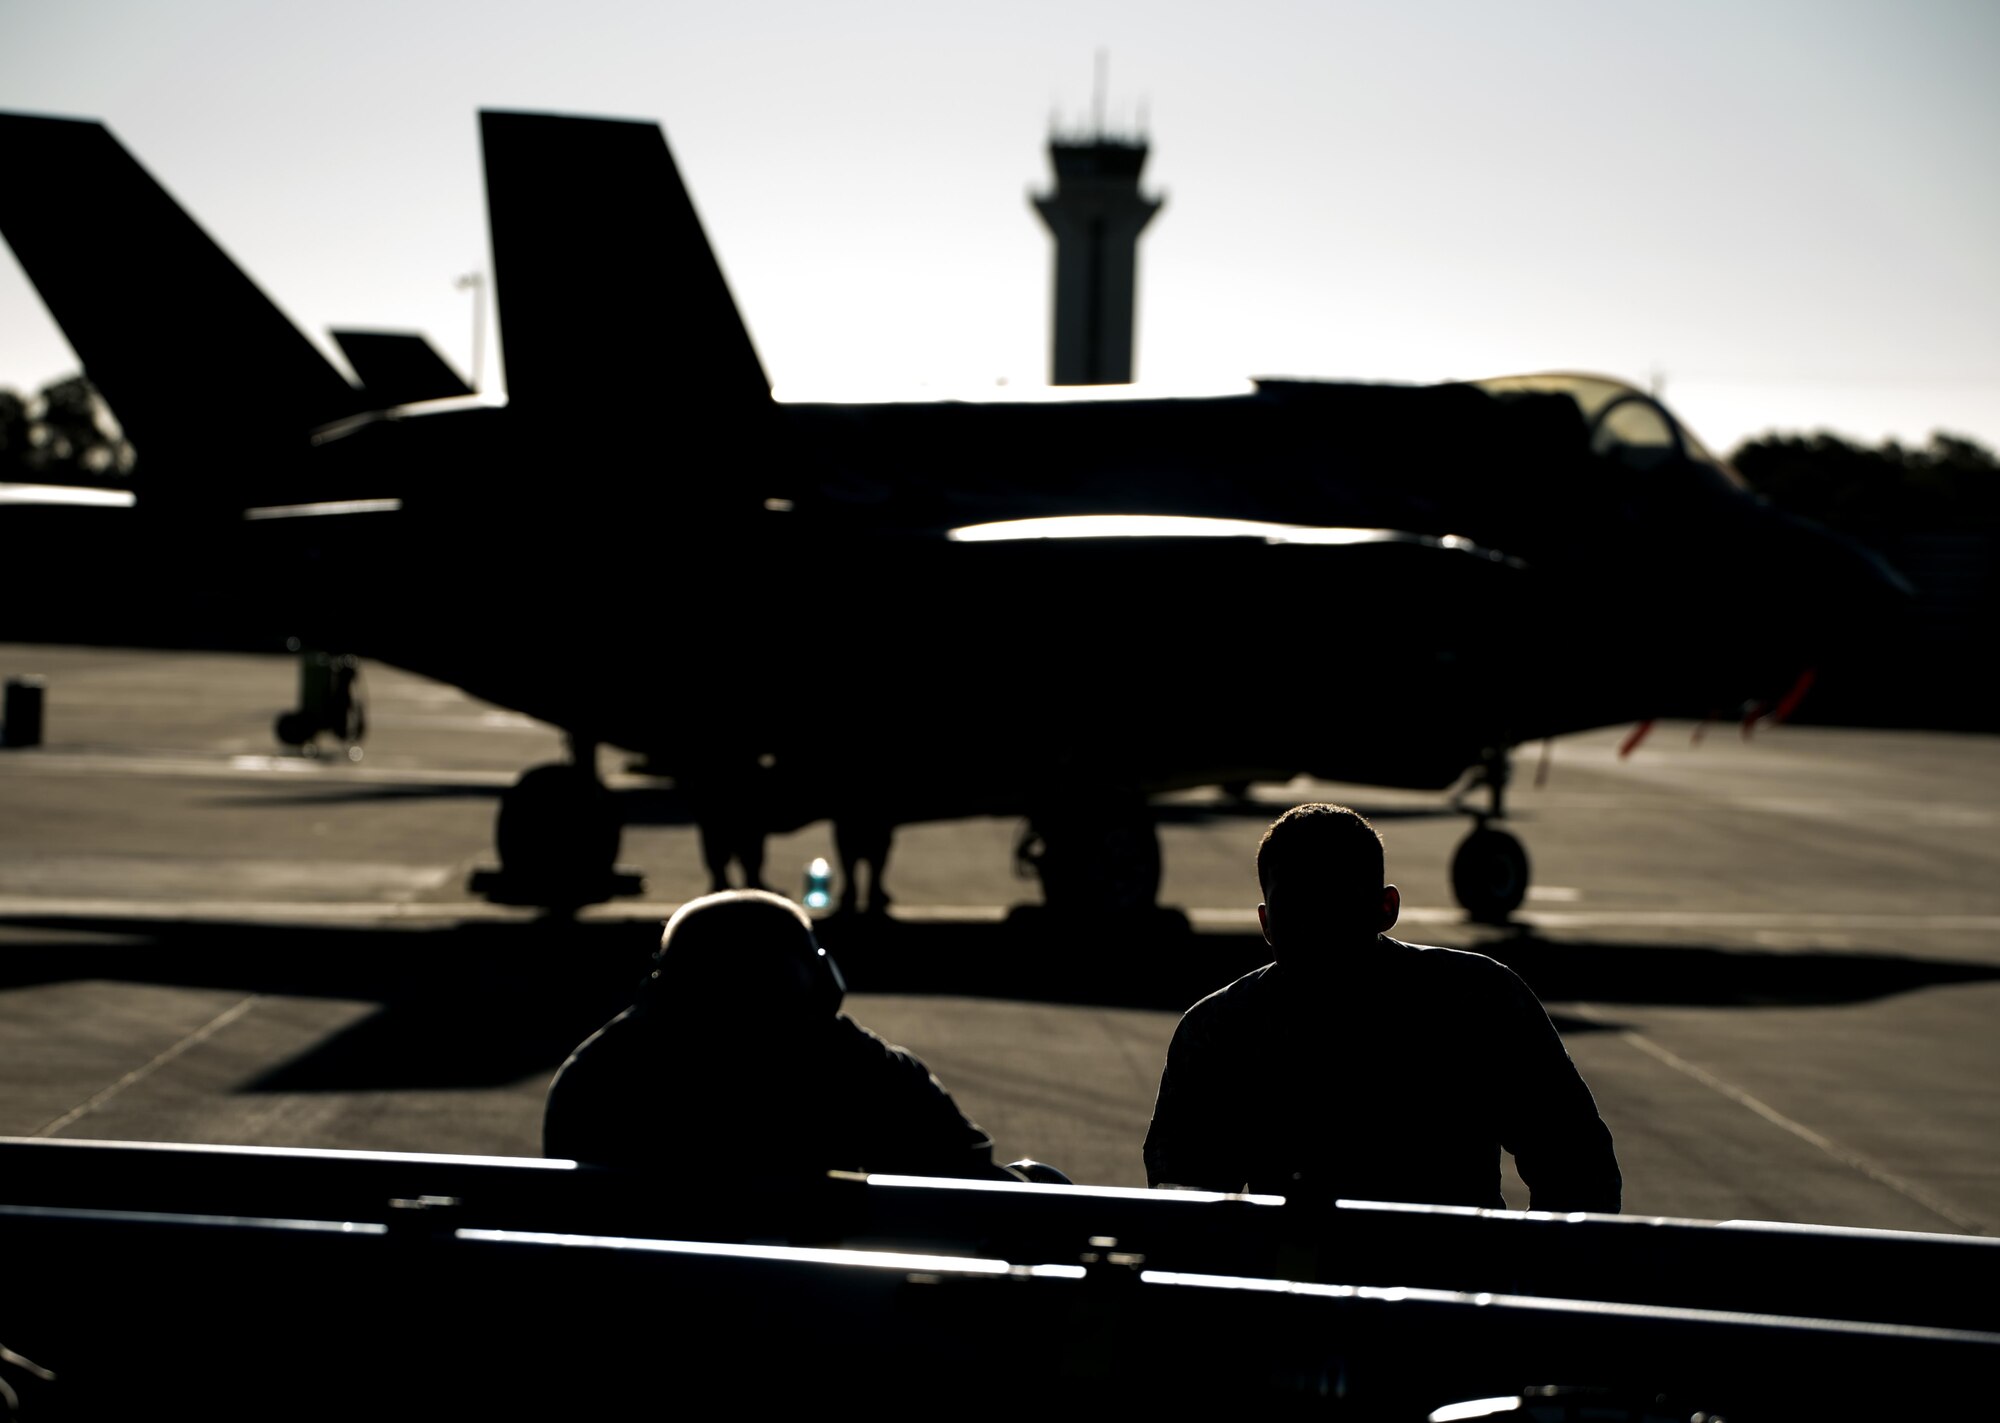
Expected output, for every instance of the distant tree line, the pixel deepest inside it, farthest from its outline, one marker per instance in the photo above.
(63, 434)
(1878, 495)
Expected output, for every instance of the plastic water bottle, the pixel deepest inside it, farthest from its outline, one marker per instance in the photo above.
(819, 884)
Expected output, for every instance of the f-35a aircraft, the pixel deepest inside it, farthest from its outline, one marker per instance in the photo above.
(889, 612)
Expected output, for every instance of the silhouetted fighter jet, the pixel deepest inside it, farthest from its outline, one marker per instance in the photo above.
(900, 611)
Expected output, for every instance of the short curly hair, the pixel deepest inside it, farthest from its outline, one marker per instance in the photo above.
(1322, 844)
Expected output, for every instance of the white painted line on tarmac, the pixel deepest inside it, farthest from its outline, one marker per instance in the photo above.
(1210, 919)
(330, 770)
(1246, 918)
(305, 911)
(1844, 1155)
(1726, 919)
(280, 911)
(138, 1074)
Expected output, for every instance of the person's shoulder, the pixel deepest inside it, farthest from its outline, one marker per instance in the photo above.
(1232, 998)
(590, 1092)
(1439, 959)
(866, 1060)
(856, 1038)
(866, 1047)
(1463, 967)
(1237, 992)
(614, 1037)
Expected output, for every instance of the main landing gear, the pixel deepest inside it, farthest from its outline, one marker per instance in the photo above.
(1093, 857)
(557, 833)
(1489, 873)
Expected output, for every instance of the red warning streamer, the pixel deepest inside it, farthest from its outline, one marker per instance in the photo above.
(1632, 741)
(1791, 700)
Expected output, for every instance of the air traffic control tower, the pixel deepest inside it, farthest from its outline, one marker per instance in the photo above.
(1096, 214)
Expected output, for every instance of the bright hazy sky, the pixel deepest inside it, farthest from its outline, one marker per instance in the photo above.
(1786, 211)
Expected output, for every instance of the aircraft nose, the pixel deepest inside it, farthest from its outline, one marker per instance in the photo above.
(1849, 593)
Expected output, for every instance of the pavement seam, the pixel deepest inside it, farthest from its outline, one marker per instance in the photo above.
(139, 1074)
(1846, 1157)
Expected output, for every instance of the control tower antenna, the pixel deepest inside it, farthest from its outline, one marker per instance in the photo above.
(1095, 212)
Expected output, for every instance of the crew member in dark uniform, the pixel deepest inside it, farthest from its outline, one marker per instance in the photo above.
(1360, 1067)
(737, 1061)
(730, 794)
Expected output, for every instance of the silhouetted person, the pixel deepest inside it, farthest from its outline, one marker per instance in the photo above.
(859, 840)
(737, 1061)
(726, 837)
(1358, 1066)
(729, 800)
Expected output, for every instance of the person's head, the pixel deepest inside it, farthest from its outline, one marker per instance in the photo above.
(1320, 868)
(746, 958)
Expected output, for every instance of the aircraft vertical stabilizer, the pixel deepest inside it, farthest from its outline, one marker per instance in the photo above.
(169, 329)
(605, 280)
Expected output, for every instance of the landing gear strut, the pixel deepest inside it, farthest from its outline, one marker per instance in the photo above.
(1489, 872)
(329, 702)
(557, 834)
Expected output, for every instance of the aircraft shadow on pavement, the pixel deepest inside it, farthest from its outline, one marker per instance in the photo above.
(356, 794)
(1169, 968)
(469, 1006)
(485, 1004)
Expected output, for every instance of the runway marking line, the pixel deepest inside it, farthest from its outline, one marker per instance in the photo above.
(139, 1074)
(1233, 918)
(1653, 919)
(1846, 1157)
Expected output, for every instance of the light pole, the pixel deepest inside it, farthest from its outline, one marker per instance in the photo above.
(475, 282)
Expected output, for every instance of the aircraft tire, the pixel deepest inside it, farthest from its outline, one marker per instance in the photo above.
(1095, 860)
(557, 834)
(1489, 875)
(292, 728)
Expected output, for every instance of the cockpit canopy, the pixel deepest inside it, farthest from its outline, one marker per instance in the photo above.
(1625, 423)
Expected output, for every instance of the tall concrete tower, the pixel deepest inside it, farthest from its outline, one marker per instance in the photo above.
(1096, 214)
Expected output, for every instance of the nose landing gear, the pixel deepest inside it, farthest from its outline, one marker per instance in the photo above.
(1489, 871)
(329, 702)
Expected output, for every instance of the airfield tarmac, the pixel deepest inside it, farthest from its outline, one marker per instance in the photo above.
(1776, 961)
